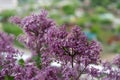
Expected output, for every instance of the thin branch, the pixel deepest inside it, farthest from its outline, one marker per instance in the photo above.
(72, 61)
(81, 73)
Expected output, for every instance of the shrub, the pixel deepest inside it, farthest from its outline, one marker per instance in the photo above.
(49, 43)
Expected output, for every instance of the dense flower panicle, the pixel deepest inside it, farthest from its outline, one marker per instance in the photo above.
(94, 52)
(73, 45)
(52, 73)
(7, 53)
(28, 72)
(15, 20)
(94, 72)
(35, 27)
(6, 43)
(55, 33)
(69, 73)
(107, 65)
(8, 60)
(73, 48)
(7, 64)
(103, 74)
(106, 72)
(36, 24)
(112, 75)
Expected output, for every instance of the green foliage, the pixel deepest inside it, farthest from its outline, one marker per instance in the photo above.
(94, 19)
(57, 18)
(0, 67)
(117, 29)
(117, 48)
(6, 14)
(96, 29)
(17, 43)
(37, 60)
(106, 21)
(11, 29)
(104, 3)
(21, 62)
(8, 77)
(68, 9)
(102, 34)
(100, 10)
(82, 21)
(118, 5)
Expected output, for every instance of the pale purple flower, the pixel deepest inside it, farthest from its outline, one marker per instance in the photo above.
(49, 43)
(116, 61)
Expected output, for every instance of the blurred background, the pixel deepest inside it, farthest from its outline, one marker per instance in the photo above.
(100, 20)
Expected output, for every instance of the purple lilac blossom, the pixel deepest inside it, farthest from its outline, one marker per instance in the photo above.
(48, 43)
(116, 61)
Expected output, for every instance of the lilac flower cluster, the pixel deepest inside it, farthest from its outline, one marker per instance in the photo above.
(49, 43)
(116, 61)
(6, 43)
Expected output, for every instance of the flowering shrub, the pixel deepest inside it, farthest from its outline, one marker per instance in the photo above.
(49, 43)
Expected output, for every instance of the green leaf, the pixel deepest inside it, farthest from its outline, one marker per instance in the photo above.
(21, 62)
(37, 59)
(0, 67)
(9, 78)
